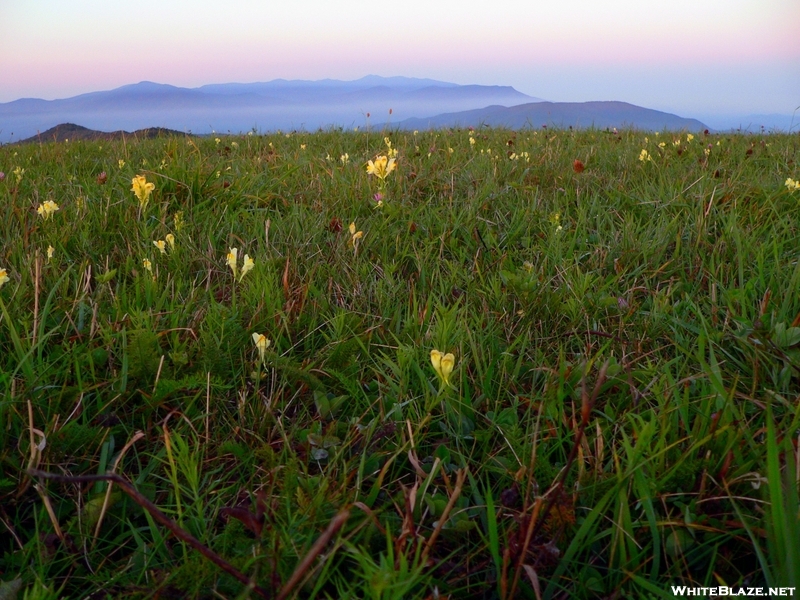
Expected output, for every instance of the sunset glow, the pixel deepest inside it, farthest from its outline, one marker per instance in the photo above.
(714, 56)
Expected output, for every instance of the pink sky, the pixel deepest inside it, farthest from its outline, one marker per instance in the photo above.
(723, 56)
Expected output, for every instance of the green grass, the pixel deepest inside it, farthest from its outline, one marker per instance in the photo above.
(646, 309)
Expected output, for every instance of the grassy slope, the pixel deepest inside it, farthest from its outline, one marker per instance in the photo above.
(668, 287)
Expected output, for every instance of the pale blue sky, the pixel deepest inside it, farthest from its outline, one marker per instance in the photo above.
(693, 57)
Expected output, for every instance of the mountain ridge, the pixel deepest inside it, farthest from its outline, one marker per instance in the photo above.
(70, 131)
(597, 114)
(277, 104)
(413, 103)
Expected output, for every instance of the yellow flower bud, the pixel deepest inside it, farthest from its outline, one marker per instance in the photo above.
(443, 365)
(262, 343)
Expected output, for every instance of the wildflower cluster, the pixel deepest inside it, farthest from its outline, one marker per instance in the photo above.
(555, 220)
(381, 167)
(391, 152)
(169, 240)
(46, 209)
(142, 189)
(355, 237)
(247, 265)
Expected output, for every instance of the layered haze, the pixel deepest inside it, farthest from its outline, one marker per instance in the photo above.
(237, 107)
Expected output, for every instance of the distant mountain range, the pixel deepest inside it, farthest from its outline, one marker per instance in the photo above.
(602, 115)
(370, 101)
(237, 107)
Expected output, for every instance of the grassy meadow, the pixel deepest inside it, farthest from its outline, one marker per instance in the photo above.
(611, 406)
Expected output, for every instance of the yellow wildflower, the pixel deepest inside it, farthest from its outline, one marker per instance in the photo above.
(147, 264)
(4, 279)
(161, 245)
(232, 257)
(142, 189)
(247, 266)
(792, 185)
(121, 163)
(18, 173)
(392, 152)
(50, 252)
(355, 236)
(381, 167)
(443, 365)
(689, 137)
(171, 241)
(46, 209)
(344, 158)
(262, 343)
(644, 155)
